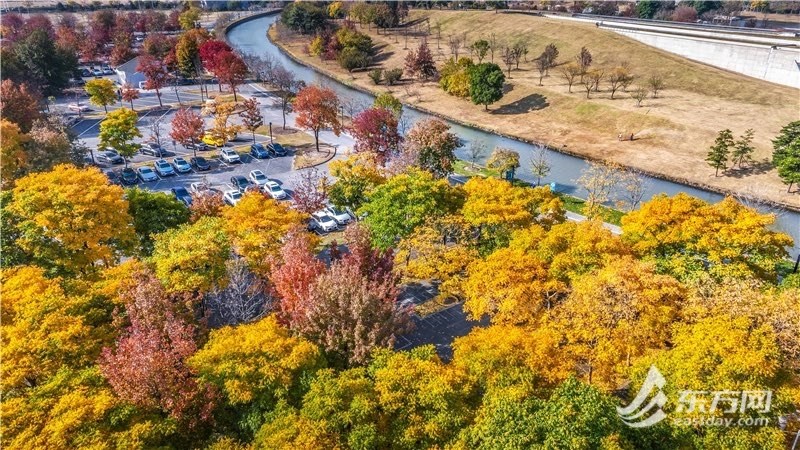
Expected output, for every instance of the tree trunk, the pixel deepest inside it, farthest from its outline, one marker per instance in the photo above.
(283, 111)
(316, 139)
(158, 94)
(254, 135)
(106, 108)
(132, 105)
(234, 94)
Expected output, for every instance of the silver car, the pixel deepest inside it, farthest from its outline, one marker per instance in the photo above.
(146, 174)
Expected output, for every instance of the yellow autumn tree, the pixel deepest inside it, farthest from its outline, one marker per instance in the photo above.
(192, 258)
(257, 226)
(72, 220)
(223, 131)
(355, 176)
(496, 207)
(258, 363)
(439, 250)
(499, 352)
(12, 152)
(509, 285)
(689, 237)
(614, 315)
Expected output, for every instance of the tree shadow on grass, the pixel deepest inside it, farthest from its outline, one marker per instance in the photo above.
(533, 102)
(753, 168)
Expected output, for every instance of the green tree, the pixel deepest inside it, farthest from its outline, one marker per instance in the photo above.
(480, 48)
(153, 213)
(118, 130)
(189, 18)
(786, 153)
(486, 84)
(183, 265)
(388, 101)
(43, 64)
(646, 9)
(101, 92)
(743, 148)
(304, 17)
(406, 201)
(719, 153)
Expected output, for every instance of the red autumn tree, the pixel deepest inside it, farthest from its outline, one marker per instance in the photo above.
(18, 104)
(375, 131)
(187, 128)
(148, 367)
(294, 275)
(251, 116)
(350, 314)
(129, 93)
(310, 190)
(433, 146)
(373, 263)
(155, 73)
(316, 109)
(230, 69)
(209, 51)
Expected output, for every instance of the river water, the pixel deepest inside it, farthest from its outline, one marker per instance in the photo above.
(250, 37)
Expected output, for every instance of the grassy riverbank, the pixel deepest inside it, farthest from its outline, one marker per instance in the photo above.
(672, 133)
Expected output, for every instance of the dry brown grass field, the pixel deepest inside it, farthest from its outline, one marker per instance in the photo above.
(672, 132)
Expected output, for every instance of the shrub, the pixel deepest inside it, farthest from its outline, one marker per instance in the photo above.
(376, 75)
(352, 58)
(393, 76)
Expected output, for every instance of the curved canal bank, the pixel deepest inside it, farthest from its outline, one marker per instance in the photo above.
(249, 35)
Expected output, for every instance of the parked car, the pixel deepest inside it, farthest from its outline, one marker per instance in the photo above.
(258, 151)
(110, 156)
(339, 215)
(276, 149)
(274, 190)
(97, 72)
(212, 141)
(113, 177)
(107, 71)
(199, 187)
(229, 156)
(239, 182)
(258, 178)
(232, 197)
(151, 149)
(200, 164)
(181, 166)
(321, 221)
(128, 176)
(182, 195)
(200, 146)
(86, 72)
(146, 174)
(80, 107)
(164, 168)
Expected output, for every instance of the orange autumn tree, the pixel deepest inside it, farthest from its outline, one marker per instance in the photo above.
(317, 109)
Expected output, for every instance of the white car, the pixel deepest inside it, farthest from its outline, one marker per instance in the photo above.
(258, 178)
(229, 156)
(80, 107)
(232, 197)
(339, 215)
(323, 222)
(274, 190)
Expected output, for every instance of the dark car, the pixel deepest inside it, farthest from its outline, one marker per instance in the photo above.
(258, 151)
(182, 195)
(276, 149)
(113, 177)
(86, 72)
(239, 182)
(200, 163)
(200, 146)
(128, 176)
(152, 150)
(110, 157)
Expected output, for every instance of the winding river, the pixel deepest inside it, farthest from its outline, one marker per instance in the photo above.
(250, 37)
